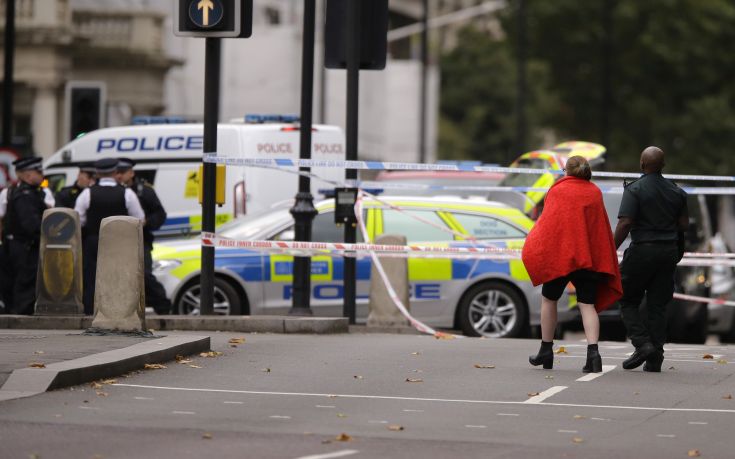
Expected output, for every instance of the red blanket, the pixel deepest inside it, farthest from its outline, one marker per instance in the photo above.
(574, 233)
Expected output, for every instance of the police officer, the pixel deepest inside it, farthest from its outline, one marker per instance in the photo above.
(106, 198)
(67, 196)
(21, 210)
(155, 216)
(654, 212)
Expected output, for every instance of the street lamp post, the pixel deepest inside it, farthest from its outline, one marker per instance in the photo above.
(303, 210)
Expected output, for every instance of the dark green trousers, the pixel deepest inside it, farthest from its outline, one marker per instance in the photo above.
(647, 270)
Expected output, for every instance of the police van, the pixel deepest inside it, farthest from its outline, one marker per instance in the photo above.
(168, 154)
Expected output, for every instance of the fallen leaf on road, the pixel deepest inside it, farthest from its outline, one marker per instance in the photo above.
(37, 365)
(417, 371)
(708, 356)
(341, 415)
(561, 350)
(207, 436)
(210, 354)
(579, 416)
(693, 453)
(415, 353)
(548, 377)
(722, 361)
(102, 394)
(440, 335)
(34, 456)
(577, 440)
(332, 396)
(395, 427)
(154, 366)
(343, 437)
(727, 397)
(482, 365)
(236, 340)
(182, 360)
(266, 370)
(108, 381)
(194, 366)
(414, 380)
(96, 385)
(357, 377)
(39, 352)
(532, 394)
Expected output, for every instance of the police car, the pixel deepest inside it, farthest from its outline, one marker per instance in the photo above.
(491, 298)
(168, 154)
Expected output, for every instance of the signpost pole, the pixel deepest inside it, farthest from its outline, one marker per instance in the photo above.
(211, 114)
(353, 92)
(303, 210)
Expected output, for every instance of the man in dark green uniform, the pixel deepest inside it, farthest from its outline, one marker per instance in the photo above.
(654, 212)
(67, 196)
(21, 208)
(155, 216)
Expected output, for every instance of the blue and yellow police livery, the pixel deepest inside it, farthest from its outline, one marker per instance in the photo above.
(492, 298)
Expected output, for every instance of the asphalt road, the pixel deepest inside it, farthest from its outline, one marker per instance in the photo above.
(292, 396)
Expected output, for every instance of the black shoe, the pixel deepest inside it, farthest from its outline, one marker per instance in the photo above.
(653, 363)
(640, 355)
(594, 362)
(544, 357)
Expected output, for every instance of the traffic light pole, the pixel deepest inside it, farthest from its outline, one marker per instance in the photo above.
(211, 115)
(353, 92)
(7, 135)
(303, 210)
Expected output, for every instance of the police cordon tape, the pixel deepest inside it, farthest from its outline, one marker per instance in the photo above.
(387, 165)
(701, 299)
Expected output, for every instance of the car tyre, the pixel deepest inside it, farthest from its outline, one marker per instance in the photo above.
(493, 309)
(227, 300)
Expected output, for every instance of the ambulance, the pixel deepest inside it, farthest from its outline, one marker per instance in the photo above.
(168, 154)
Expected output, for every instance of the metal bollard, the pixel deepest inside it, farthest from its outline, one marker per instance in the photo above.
(382, 311)
(119, 294)
(59, 279)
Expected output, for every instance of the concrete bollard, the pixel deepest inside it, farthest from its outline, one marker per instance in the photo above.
(382, 311)
(119, 295)
(59, 279)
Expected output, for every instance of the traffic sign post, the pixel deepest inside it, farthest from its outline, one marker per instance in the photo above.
(213, 20)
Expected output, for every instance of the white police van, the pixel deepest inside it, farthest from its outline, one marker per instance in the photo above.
(168, 154)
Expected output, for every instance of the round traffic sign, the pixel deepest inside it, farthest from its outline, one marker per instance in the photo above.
(206, 13)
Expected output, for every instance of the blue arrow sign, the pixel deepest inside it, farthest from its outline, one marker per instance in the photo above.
(206, 13)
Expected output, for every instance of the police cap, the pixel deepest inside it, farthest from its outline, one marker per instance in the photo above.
(125, 164)
(106, 165)
(88, 168)
(28, 164)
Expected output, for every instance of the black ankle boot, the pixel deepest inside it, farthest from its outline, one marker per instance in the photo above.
(594, 361)
(544, 357)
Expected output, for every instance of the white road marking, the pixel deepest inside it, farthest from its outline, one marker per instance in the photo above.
(442, 400)
(590, 376)
(230, 402)
(470, 426)
(601, 419)
(144, 398)
(666, 436)
(545, 394)
(88, 408)
(377, 422)
(508, 414)
(279, 417)
(342, 453)
(183, 412)
(567, 431)
(698, 423)
(614, 347)
(326, 406)
(413, 411)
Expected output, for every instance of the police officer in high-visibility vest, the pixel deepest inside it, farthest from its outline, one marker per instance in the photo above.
(155, 216)
(654, 212)
(67, 196)
(106, 198)
(21, 210)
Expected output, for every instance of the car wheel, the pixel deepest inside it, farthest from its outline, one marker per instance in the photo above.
(493, 309)
(227, 301)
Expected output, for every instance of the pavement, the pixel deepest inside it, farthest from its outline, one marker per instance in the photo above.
(381, 395)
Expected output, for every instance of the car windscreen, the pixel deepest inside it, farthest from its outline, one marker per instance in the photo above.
(440, 191)
(516, 179)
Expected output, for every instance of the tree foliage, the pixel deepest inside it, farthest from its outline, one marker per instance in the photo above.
(671, 82)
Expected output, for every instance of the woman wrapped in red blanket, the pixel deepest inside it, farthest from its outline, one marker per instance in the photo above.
(572, 242)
